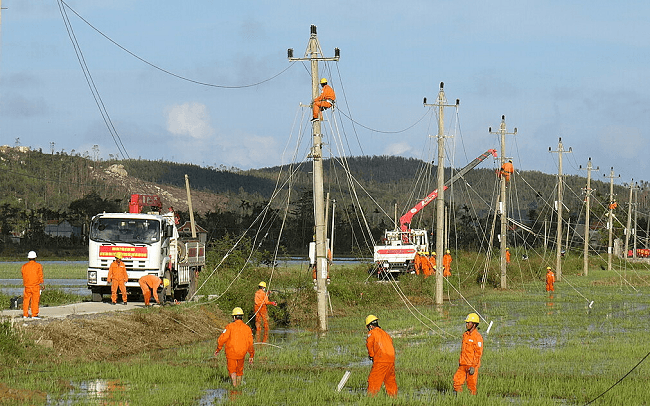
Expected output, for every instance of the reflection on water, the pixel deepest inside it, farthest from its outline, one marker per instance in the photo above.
(98, 391)
(213, 396)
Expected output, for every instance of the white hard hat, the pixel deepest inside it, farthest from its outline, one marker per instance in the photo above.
(31, 255)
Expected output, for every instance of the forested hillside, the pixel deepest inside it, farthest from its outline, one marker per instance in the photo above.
(42, 189)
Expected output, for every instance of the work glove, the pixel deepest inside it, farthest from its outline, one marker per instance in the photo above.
(471, 371)
(274, 303)
(216, 352)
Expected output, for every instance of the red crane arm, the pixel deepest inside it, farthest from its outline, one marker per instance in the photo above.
(405, 220)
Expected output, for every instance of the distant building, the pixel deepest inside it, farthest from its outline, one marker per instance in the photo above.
(186, 231)
(56, 228)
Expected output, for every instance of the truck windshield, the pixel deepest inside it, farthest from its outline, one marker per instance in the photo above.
(125, 230)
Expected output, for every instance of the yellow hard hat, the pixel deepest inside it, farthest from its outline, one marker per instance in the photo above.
(165, 282)
(370, 319)
(262, 284)
(548, 267)
(119, 255)
(323, 81)
(237, 311)
(434, 253)
(448, 252)
(507, 248)
(472, 317)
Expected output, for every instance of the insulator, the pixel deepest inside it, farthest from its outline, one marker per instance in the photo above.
(290, 53)
(337, 52)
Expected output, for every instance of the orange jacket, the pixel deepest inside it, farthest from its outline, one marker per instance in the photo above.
(508, 256)
(238, 339)
(151, 281)
(471, 349)
(327, 93)
(507, 168)
(380, 346)
(261, 299)
(117, 272)
(446, 261)
(32, 274)
(550, 277)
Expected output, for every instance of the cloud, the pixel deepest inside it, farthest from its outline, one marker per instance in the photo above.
(623, 142)
(399, 148)
(189, 119)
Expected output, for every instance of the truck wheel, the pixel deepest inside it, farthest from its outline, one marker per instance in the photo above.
(97, 296)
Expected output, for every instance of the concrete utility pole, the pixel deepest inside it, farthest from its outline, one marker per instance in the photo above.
(189, 205)
(628, 227)
(440, 200)
(313, 55)
(502, 199)
(585, 260)
(636, 205)
(610, 220)
(560, 206)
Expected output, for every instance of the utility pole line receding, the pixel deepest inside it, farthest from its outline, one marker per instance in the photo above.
(440, 200)
(585, 261)
(502, 199)
(313, 55)
(610, 218)
(560, 204)
(628, 227)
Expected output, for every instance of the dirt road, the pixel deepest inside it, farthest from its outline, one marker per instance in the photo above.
(83, 308)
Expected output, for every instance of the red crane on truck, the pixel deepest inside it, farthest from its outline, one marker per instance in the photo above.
(400, 246)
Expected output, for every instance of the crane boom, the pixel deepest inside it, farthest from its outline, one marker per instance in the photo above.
(405, 220)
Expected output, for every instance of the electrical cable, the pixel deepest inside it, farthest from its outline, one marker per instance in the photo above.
(169, 72)
(619, 381)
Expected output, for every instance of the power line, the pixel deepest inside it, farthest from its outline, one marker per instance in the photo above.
(91, 84)
(169, 72)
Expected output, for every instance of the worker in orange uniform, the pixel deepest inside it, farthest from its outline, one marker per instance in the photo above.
(550, 279)
(150, 284)
(238, 339)
(382, 354)
(507, 255)
(470, 356)
(427, 268)
(117, 277)
(33, 282)
(417, 263)
(507, 169)
(446, 263)
(324, 101)
(261, 314)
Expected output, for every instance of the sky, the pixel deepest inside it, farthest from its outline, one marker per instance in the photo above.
(556, 69)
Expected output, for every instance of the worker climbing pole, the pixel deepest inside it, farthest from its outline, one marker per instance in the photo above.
(313, 55)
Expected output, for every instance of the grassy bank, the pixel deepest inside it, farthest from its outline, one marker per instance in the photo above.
(542, 349)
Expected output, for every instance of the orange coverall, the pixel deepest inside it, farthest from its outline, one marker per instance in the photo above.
(446, 264)
(148, 284)
(507, 257)
(32, 273)
(117, 277)
(417, 262)
(381, 350)
(506, 170)
(550, 280)
(261, 315)
(238, 339)
(322, 102)
(428, 266)
(470, 356)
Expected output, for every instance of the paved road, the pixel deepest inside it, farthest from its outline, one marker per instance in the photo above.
(84, 308)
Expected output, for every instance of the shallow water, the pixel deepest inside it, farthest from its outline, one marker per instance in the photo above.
(89, 392)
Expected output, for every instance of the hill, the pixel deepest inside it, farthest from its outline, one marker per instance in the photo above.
(41, 188)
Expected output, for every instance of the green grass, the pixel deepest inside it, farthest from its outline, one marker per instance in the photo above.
(542, 350)
(61, 270)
